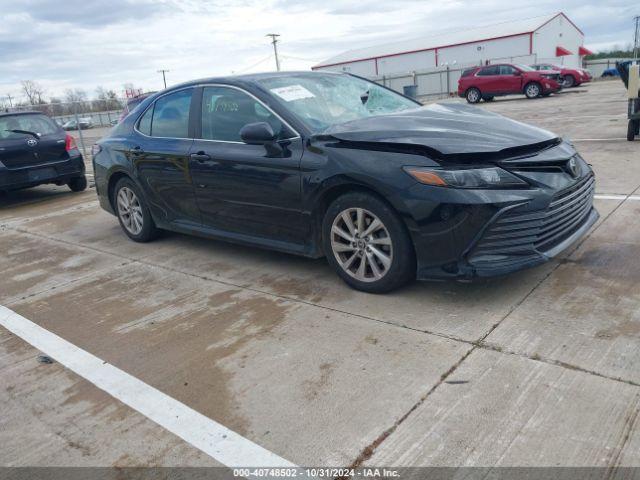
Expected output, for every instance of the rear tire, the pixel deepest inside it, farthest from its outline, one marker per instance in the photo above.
(374, 254)
(78, 184)
(532, 90)
(133, 212)
(473, 95)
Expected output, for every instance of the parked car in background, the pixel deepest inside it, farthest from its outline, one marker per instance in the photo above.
(131, 104)
(610, 72)
(569, 77)
(84, 122)
(485, 83)
(35, 150)
(329, 164)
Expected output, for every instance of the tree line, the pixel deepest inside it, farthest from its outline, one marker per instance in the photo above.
(74, 100)
(616, 52)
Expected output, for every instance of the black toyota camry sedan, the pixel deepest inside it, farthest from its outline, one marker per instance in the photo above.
(329, 164)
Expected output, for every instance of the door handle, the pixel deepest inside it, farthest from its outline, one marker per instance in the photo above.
(200, 157)
(136, 151)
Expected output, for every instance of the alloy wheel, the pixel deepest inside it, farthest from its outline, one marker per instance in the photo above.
(361, 244)
(473, 96)
(130, 211)
(533, 90)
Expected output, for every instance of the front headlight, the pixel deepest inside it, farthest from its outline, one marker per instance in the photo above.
(489, 177)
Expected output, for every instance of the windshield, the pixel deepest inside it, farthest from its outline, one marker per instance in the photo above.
(35, 123)
(323, 100)
(526, 68)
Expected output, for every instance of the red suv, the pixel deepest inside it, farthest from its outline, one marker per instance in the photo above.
(485, 83)
(571, 77)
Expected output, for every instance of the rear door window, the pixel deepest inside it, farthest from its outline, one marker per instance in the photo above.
(171, 115)
(486, 71)
(507, 70)
(144, 125)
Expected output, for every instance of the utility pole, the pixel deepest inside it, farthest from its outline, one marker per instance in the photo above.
(636, 39)
(164, 79)
(274, 41)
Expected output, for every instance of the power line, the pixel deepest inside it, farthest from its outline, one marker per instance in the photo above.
(303, 59)
(254, 65)
(274, 40)
(636, 39)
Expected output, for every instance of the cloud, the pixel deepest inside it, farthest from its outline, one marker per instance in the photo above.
(85, 14)
(86, 43)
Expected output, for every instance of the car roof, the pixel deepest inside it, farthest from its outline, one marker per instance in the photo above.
(251, 77)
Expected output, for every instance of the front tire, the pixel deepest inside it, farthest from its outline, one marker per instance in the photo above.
(133, 213)
(78, 184)
(367, 244)
(473, 95)
(569, 81)
(532, 90)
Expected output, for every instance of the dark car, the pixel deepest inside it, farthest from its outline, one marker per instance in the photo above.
(329, 164)
(35, 150)
(485, 83)
(84, 123)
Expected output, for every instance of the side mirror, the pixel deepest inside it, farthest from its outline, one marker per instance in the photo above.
(518, 73)
(259, 133)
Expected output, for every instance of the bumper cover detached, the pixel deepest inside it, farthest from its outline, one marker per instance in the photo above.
(518, 239)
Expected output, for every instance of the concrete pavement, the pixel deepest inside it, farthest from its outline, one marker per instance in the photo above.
(535, 369)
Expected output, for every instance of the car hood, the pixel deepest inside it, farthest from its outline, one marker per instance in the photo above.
(443, 129)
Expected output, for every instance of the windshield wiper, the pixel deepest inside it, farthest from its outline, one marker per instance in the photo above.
(26, 132)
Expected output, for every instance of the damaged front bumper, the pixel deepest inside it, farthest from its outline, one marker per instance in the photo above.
(509, 233)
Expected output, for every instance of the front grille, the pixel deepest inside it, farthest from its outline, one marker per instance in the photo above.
(516, 233)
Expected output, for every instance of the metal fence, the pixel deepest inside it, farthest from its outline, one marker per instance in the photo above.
(64, 112)
(439, 82)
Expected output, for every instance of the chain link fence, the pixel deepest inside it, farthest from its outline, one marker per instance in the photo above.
(439, 82)
(100, 113)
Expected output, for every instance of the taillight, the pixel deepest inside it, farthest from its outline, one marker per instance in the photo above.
(70, 143)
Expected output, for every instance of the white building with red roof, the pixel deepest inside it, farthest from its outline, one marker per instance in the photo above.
(549, 38)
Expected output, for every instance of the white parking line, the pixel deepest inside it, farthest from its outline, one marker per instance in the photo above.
(614, 196)
(214, 439)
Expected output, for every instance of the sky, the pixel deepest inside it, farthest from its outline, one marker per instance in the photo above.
(64, 44)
